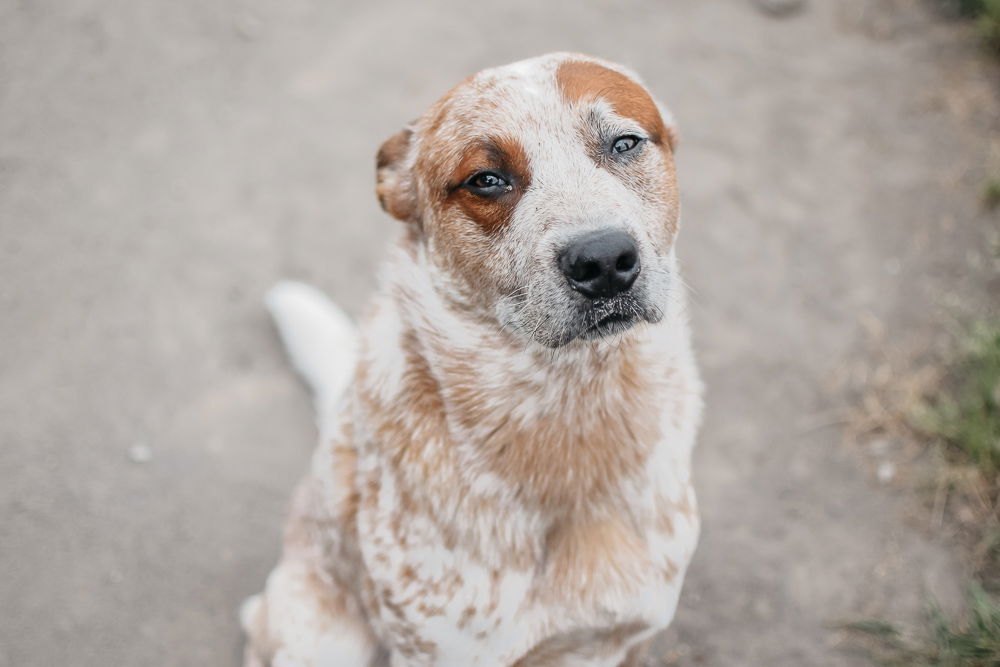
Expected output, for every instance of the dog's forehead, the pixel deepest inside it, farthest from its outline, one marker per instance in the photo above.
(539, 89)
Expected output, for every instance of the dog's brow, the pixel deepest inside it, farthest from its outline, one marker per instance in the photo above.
(581, 80)
(490, 153)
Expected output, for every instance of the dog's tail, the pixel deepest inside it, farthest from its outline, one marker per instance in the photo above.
(321, 340)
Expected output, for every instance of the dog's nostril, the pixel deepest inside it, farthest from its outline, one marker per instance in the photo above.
(586, 271)
(626, 261)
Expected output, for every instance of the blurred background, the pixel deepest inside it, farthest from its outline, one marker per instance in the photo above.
(163, 163)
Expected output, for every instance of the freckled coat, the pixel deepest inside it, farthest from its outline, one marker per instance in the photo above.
(478, 497)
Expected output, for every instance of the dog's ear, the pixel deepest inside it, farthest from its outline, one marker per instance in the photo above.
(393, 176)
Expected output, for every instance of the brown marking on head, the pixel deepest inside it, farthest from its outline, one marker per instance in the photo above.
(506, 157)
(583, 80)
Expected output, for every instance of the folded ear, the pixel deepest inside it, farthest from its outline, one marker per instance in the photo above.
(393, 177)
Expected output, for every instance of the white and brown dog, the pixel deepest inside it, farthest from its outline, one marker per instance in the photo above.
(503, 476)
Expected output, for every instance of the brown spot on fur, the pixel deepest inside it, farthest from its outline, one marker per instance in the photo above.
(686, 505)
(584, 557)
(345, 464)
(494, 592)
(390, 604)
(670, 570)
(601, 444)
(413, 436)
(321, 591)
(503, 155)
(582, 80)
(467, 615)
(370, 598)
(407, 575)
(665, 521)
(430, 610)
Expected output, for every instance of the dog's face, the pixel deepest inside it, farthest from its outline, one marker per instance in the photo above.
(544, 195)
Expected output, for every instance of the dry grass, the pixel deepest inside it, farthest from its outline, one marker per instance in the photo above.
(947, 412)
(944, 412)
(972, 643)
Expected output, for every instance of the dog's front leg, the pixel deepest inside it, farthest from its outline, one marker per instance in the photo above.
(305, 617)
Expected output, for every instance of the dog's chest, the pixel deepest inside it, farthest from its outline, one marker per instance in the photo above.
(579, 591)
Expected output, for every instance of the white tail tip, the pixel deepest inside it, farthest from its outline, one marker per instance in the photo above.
(321, 339)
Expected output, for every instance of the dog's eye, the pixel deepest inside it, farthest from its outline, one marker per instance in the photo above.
(625, 143)
(488, 183)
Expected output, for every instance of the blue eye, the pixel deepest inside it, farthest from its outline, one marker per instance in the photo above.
(487, 183)
(624, 143)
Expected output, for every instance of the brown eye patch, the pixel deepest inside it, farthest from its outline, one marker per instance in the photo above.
(492, 209)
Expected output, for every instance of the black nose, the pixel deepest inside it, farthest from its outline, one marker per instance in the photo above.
(601, 264)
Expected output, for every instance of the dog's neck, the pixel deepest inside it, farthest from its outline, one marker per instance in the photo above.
(564, 429)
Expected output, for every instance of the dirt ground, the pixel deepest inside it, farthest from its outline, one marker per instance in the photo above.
(162, 163)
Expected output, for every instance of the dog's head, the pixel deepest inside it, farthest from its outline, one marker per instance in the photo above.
(544, 196)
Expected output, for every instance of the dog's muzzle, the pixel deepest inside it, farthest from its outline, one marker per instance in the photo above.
(602, 264)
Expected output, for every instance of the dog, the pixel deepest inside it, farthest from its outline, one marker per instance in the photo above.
(503, 473)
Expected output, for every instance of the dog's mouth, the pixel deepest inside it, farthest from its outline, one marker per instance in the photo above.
(586, 320)
(609, 325)
(613, 322)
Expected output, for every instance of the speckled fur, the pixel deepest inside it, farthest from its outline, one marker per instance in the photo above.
(493, 489)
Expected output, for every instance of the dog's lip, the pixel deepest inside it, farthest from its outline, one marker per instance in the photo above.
(612, 323)
(611, 319)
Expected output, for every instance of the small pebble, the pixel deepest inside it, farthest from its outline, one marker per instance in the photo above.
(140, 453)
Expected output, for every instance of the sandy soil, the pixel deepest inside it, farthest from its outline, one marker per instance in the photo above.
(162, 163)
